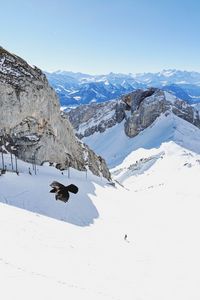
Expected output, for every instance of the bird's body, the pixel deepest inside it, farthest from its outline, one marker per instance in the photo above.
(62, 192)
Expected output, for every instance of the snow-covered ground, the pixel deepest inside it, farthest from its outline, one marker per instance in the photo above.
(114, 145)
(156, 203)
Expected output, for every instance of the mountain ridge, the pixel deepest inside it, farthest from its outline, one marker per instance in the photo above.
(138, 109)
(75, 88)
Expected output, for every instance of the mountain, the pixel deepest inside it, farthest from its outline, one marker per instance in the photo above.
(135, 237)
(184, 84)
(156, 204)
(31, 120)
(100, 124)
(169, 76)
(74, 89)
(179, 92)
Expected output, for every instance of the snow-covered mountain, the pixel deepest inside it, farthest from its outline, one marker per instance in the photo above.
(109, 122)
(169, 76)
(155, 204)
(31, 119)
(76, 88)
(184, 84)
(133, 236)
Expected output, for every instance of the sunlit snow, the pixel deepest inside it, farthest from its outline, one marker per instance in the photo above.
(156, 203)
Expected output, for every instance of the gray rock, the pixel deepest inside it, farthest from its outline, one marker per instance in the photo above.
(30, 117)
(146, 106)
(96, 117)
(139, 109)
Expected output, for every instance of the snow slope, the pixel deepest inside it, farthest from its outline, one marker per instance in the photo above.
(41, 258)
(156, 204)
(114, 145)
(31, 192)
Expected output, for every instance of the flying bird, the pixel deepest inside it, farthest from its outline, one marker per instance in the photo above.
(62, 192)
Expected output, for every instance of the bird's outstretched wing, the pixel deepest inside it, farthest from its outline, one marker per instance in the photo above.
(56, 186)
(72, 188)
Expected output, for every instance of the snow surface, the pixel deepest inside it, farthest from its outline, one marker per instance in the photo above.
(156, 203)
(31, 192)
(114, 145)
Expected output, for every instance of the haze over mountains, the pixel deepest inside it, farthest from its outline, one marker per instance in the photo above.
(77, 88)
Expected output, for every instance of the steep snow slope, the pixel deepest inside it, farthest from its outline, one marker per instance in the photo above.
(158, 208)
(114, 145)
(31, 192)
(156, 205)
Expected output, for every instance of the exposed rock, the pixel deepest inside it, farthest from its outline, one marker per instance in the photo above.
(30, 117)
(96, 117)
(146, 106)
(135, 98)
(138, 109)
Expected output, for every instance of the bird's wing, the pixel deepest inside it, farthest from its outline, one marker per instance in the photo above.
(72, 188)
(57, 185)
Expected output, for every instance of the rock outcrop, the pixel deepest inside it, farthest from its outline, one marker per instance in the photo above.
(138, 110)
(31, 119)
(96, 117)
(147, 105)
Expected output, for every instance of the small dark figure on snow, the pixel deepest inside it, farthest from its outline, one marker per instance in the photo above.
(3, 171)
(125, 237)
(62, 192)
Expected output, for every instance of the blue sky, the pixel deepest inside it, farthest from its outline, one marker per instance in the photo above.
(102, 36)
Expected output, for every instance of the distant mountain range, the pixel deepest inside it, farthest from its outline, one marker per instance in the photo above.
(74, 89)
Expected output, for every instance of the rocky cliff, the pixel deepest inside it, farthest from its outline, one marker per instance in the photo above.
(31, 119)
(96, 117)
(147, 105)
(138, 110)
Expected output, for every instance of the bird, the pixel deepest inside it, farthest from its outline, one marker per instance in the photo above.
(61, 191)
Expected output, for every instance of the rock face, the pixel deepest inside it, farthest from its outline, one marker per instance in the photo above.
(138, 110)
(30, 117)
(96, 117)
(147, 105)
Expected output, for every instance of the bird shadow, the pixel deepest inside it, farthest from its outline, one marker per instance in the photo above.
(79, 209)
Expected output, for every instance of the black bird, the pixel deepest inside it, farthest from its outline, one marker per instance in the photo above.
(62, 192)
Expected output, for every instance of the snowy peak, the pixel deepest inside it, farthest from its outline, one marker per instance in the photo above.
(167, 128)
(147, 105)
(77, 88)
(138, 110)
(74, 88)
(169, 76)
(15, 70)
(167, 138)
(31, 119)
(108, 127)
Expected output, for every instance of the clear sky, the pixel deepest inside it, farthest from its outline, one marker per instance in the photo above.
(102, 36)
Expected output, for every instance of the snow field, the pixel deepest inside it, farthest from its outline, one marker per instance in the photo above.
(156, 204)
